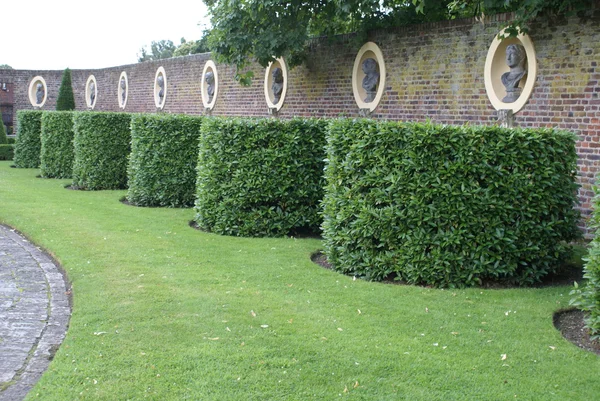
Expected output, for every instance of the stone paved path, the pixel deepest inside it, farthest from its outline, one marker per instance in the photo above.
(34, 314)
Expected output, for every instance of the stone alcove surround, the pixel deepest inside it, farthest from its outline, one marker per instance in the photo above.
(33, 88)
(88, 95)
(209, 66)
(160, 105)
(495, 66)
(269, 97)
(368, 50)
(120, 91)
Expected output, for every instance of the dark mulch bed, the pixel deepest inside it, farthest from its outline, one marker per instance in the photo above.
(572, 327)
(569, 322)
(298, 233)
(195, 226)
(75, 187)
(566, 276)
(125, 201)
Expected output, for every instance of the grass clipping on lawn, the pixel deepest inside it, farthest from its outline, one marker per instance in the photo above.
(163, 311)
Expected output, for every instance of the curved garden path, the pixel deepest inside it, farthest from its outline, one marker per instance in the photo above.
(34, 313)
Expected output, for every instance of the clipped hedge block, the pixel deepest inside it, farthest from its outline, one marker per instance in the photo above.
(3, 137)
(28, 144)
(57, 152)
(587, 297)
(164, 154)
(6, 152)
(101, 149)
(448, 206)
(260, 177)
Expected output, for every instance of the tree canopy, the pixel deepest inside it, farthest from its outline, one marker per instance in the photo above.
(158, 51)
(166, 49)
(192, 47)
(262, 30)
(5, 67)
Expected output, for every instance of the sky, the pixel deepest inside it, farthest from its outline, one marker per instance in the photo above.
(82, 34)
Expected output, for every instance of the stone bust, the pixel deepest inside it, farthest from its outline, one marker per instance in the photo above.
(516, 57)
(161, 85)
(210, 80)
(277, 86)
(371, 79)
(123, 90)
(39, 93)
(92, 93)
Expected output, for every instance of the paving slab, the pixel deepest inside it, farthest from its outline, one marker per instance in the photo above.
(34, 313)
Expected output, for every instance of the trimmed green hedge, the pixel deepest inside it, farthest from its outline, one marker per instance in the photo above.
(66, 99)
(260, 177)
(28, 144)
(164, 154)
(101, 146)
(3, 138)
(587, 298)
(448, 205)
(57, 144)
(6, 152)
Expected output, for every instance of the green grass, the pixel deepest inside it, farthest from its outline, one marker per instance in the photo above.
(165, 312)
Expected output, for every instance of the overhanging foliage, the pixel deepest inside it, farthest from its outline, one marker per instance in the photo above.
(261, 30)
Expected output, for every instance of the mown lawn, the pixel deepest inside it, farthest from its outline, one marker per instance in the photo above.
(165, 312)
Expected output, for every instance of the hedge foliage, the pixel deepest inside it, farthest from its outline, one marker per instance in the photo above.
(101, 148)
(28, 144)
(260, 177)
(65, 100)
(164, 154)
(587, 298)
(6, 152)
(57, 144)
(448, 205)
(3, 137)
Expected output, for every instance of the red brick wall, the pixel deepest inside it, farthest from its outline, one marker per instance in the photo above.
(434, 71)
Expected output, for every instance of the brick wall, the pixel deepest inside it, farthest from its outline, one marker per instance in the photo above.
(434, 71)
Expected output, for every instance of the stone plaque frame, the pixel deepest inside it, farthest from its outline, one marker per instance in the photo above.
(495, 66)
(32, 89)
(209, 66)
(269, 97)
(368, 50)
(88, 95)
(157, 102)
(122, 103)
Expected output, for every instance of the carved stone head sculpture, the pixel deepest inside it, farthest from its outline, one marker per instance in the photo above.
(277, 86)
(39, 93)
(371, 79)
(123, 89)
(209, 77)
(161, 84)
(92, 93)
(516, 58)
